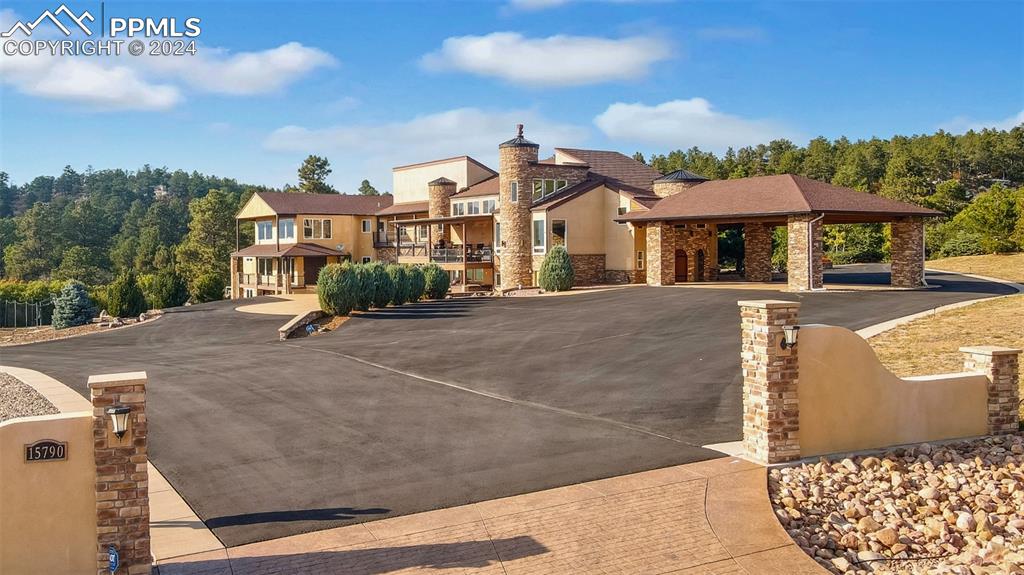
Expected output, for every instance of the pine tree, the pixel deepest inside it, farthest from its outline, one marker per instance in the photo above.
(72, 307)
(124, 297)
(367, 190)
(313, 176)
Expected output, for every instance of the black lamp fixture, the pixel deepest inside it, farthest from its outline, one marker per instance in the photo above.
(790, 334)
(119, 416)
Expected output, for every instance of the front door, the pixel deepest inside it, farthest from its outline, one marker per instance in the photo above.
(311, 268)
(681, 267)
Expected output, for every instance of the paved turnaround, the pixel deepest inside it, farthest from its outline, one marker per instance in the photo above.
(439, 404)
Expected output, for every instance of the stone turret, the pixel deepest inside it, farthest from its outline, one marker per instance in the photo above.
(676, 182)
(514, 166)
(439, 204)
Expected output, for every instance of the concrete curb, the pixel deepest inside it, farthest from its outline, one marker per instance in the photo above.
(873, 330)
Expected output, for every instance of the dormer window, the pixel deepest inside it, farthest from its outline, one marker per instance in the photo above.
(543, 188)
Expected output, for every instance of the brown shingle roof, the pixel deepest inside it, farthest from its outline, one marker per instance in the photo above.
(642, 196)
(405, 208)
(326, 204)
(488, 187)
(773, 196)
(271, 250)
(616, 166)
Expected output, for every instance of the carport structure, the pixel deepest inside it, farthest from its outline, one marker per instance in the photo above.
(802, 205)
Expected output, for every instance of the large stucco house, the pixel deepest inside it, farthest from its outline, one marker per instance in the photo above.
(620, 220)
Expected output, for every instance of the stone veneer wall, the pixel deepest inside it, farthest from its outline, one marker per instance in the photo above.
(796, 267)
(588, 269)
(666, 189)
(757, 249)
(693, 239)
(622, 276)
(661, 253)
(907, 248)
(771, 407)
(439, 205)
(122, 478)
(1000, 365)
(387, 255)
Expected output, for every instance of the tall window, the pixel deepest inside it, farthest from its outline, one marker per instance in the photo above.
(265, 266)
(544, 188)
(538, 236)
(286, 229)
(513, 192)
(459, 209)
(497, 237)
(640, 259)
(316, 229)
(488, 207)
(265, 230)
(558, 233)
(367, 226)
(474, 207)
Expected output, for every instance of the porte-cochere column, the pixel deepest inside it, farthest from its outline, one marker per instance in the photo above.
(757, 252)
(907, 252)
(804, 260)
(661, 254)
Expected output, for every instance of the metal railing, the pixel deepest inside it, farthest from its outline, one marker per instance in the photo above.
(24, 314)
(457, 254)
(271, 280)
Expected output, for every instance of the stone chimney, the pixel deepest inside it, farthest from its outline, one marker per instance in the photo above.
(515, 157)
(439, 205)
(676, 182)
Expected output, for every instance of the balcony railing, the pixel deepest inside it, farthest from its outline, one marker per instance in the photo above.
(271, 280)
(458, 254)
(412, 250)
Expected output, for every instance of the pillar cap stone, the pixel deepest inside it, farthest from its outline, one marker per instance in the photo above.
(116, 379)
(767, 303)
(990, 350)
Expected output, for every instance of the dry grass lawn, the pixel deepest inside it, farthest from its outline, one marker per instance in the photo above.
(1004, 266)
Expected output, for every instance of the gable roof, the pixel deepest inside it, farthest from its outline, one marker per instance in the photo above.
(469, 159)
(640, 195)
(781, 195)
(325, 204)
(488, 187)
(615, 166)
(405, 208)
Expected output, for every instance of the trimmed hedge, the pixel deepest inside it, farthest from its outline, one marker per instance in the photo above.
(437, 281)
(556, 272)
(400, 280)
(383, 287)
(124, 297)
(72, 306)
(336, 288)
(365, 287)
(417, 283)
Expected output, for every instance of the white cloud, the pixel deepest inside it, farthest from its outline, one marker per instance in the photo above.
(371, 149)
(686, 123)
(553, 61)
(128, 82)
(962, 124)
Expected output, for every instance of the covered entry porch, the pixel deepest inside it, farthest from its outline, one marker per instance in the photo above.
(800, 204)
(464, 246)
(268, 269)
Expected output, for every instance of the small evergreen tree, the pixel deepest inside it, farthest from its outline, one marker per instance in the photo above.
(400, 281)
(366, 287)
(437, 281)
(556, 272)
(337, 288)
(383, 287)
(124, 296)
(208, 287)
(166, 289)
(417, 283)
(72, 306)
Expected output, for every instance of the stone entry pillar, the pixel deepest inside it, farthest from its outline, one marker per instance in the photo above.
(804, 261)
(1000, 365)
(907, 252)
(757, 252)
(661, 254)
(236, 290)
(122, 478)
(771, 408)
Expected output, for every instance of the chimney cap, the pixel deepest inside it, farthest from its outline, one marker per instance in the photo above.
(442, 181)
(519, 141)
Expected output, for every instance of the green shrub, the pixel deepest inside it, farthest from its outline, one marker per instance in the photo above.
(337, 287)
(208, 287)
(417, 282)
(30, 292)
(400, 281)
(72, 306)
(124, 297)
(365, 287)
(98, 295)
(556, 272)
(383, 287)
(165, 289)
(437, 281)
(962, 243)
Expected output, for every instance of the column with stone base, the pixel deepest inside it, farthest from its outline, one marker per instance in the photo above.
(1000, 365)
(804, 265)
(122, 479)
(757, 252)
(771, 407)
(661, 254)
(907, 251)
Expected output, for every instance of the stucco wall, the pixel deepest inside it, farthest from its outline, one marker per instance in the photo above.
(48, 508)
(850, 401)
(410, 184)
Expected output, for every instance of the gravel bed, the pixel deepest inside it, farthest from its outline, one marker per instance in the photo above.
(18, 399)
(956, 508)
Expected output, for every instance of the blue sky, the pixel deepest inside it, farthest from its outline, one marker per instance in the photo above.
(373, 85)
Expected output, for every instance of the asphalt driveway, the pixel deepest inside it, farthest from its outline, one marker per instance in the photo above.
(439, 404)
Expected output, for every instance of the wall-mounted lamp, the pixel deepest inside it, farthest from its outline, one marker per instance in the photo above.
(790, 334)
(119, 416)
